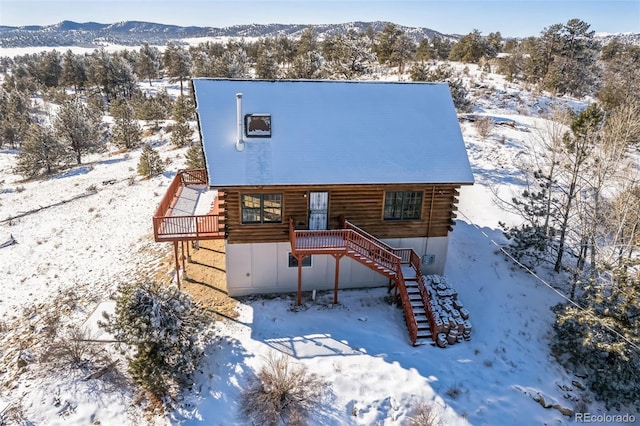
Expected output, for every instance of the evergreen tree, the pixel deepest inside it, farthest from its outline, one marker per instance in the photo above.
(233, 63)
(470, 48)
(14, 110)
(178, 64)
(620, 82)
(403, 50)
(168, 331)
(349, 56)
(40, 152)
(73, 72)
(195, 157)
(494, 44)
(266, 63)
(424, 52)
(563, 58)
(308, 42)
(49, 69)
(78, 127)
(285, 50)
(387, 40)
(444, 73)
(126, 132)
(307, 66)
(148, 63)
(182, 134)
(441, 47)
(586, 338)
(150, 164)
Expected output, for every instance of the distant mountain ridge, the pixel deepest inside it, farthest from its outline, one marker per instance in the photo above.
(134, 33)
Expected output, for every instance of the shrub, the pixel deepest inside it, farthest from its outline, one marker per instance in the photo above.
(484, 126)
(424, 414)
(166, 329)
(281, 394)
(72, 349)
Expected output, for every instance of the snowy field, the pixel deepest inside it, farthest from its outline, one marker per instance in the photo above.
(70, 256)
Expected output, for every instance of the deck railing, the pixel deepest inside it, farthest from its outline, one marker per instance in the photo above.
(403, 253)
(194, 227)
(347, 241)
(352, 240)
(424, 294)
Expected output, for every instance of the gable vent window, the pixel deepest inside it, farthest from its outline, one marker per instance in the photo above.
(402, 205)
(257, 125)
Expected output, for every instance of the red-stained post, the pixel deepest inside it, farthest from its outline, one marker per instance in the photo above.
(175, 254)
(184, 266)
(300, 258)
(337, 257)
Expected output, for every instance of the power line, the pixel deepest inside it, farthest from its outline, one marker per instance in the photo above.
(536, 276)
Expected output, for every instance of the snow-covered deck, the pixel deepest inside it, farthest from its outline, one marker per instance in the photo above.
(189, 210)
(194, 200)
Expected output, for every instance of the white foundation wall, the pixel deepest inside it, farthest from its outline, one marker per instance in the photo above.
(264, 267)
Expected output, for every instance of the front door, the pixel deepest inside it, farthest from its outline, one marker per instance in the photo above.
(318, 210)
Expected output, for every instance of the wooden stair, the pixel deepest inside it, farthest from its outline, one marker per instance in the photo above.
(401, 266)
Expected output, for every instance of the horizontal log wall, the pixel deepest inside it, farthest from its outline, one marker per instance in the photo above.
(362, 205)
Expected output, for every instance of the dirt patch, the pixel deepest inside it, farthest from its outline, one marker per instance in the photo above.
(206, 278)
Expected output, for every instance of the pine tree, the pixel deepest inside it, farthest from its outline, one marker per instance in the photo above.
(78, 127)
(349, 56)
(14, 110)
(40, 152)
(177, 62)
(195, 157)
(586, 338)
(148, 63)
(150, 163)
(470, 48)
(444, 73)
(168, 331)
(73, 71)
(181, 133)
(266, 63)
(126, 131)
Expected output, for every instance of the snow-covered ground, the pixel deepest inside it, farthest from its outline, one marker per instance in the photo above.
(74, 254)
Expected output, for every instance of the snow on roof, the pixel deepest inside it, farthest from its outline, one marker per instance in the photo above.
(332, 132)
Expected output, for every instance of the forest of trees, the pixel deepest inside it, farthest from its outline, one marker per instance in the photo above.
(581, 208)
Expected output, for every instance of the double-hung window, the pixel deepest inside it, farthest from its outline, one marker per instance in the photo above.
(262, 208)
(402, 205)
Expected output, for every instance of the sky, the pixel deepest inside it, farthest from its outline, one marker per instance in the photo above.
(513, 18)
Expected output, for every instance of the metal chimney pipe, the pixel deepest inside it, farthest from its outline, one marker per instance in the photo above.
(240, 141)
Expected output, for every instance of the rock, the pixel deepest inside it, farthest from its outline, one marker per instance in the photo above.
(578, 385)
(25, 358)
(563, 410)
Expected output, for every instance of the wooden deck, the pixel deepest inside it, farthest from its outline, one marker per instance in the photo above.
(401, 266)
(189, 210)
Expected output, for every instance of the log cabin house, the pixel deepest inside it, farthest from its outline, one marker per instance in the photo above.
(325, 185)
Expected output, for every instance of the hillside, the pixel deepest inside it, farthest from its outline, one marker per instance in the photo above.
(134, 33)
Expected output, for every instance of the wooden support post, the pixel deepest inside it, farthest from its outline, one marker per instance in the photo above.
(337, 257)
(184, 266)
(188, 253)
(300, 259)
(175, 254)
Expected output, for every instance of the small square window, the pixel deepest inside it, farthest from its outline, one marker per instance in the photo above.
(293, 262)
(257, 125)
